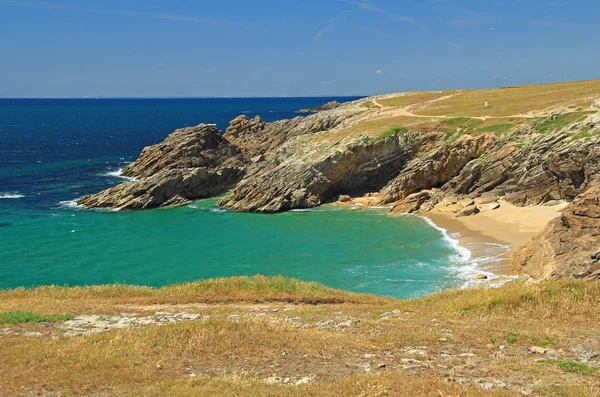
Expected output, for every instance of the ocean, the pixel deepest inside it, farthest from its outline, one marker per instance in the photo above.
(54, 151)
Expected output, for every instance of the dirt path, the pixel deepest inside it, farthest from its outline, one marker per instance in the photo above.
(407, 112)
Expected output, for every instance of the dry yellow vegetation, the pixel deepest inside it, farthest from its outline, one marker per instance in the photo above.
(280, 337)
(504, 102)
(464, 111)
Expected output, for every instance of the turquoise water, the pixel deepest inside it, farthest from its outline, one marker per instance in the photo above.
(54, 151)
(359, 250)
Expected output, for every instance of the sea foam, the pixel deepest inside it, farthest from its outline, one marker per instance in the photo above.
(119, 174)
(11, 195)
(467, 267)
(70, 204)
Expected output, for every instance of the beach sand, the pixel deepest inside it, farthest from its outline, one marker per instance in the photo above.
(492, 235)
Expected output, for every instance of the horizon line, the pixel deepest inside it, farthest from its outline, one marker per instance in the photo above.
(198, 97)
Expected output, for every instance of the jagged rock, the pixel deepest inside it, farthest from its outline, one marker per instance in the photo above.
(568, 246)
(552, 167)
(304, 182)
(468, 211)
(435, 169)
(481, 277)
(486, 199)
(412, 203)
(166, 188)
(190, 164)
(493, 206)
(344, 199)
(327, 106)
(208, 163)
(241, 125)
(193, 147)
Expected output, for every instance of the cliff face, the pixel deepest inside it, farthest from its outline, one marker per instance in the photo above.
(199, 162)
(304, 181)
(361, 147)
(190, 164)
(569, 246)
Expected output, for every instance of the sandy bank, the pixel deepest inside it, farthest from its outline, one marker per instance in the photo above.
(508, 225)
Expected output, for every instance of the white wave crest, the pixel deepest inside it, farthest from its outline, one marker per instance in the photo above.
(11, 196)
(119, 174)
(466, 267)
(463, 253)
(70, 204)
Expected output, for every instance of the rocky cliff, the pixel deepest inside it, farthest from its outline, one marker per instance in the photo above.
(382, 147)
(569, 246)
(190, 164)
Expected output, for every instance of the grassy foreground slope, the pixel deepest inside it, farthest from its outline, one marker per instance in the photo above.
(280, 337)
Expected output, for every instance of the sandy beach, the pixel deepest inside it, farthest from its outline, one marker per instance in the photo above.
(498, 232)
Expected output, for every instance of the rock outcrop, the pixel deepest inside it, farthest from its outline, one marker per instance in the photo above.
(553, 167)
(192, 147)
(303, 182)
(173, 186)
(569, 246)
(190, 164)
(199, 162)
(327, 106)
(437, 167)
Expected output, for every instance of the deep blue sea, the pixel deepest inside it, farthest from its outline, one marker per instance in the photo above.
(54, 151)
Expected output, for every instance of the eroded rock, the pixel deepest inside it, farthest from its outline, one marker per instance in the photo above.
(568, 246)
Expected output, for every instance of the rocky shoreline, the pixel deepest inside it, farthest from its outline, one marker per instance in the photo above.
(334, 154)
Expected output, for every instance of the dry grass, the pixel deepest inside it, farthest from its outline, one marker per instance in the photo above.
(512, 101)
(365, 386)
(572, 301)
(236, 347)
(415, 98)
(375, 127)
(103, 298)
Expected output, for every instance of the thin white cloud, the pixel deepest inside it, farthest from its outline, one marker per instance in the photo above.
(134, 14)
(378, 71)
(330, 26)
(362, 5)
(359, 6)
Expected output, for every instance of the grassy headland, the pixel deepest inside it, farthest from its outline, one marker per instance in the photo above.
(276, 336)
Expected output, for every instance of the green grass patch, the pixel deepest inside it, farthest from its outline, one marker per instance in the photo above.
(570, 366)
(558, 122)
(580, 135)
(393, 131)
(465, 124)
(514, 337)
(20, 317)
(497, 129)
(457, 121)
(370, 105)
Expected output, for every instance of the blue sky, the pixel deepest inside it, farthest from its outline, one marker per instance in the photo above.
(141, 48)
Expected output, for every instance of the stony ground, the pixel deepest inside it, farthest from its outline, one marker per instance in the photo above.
(296, 345)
